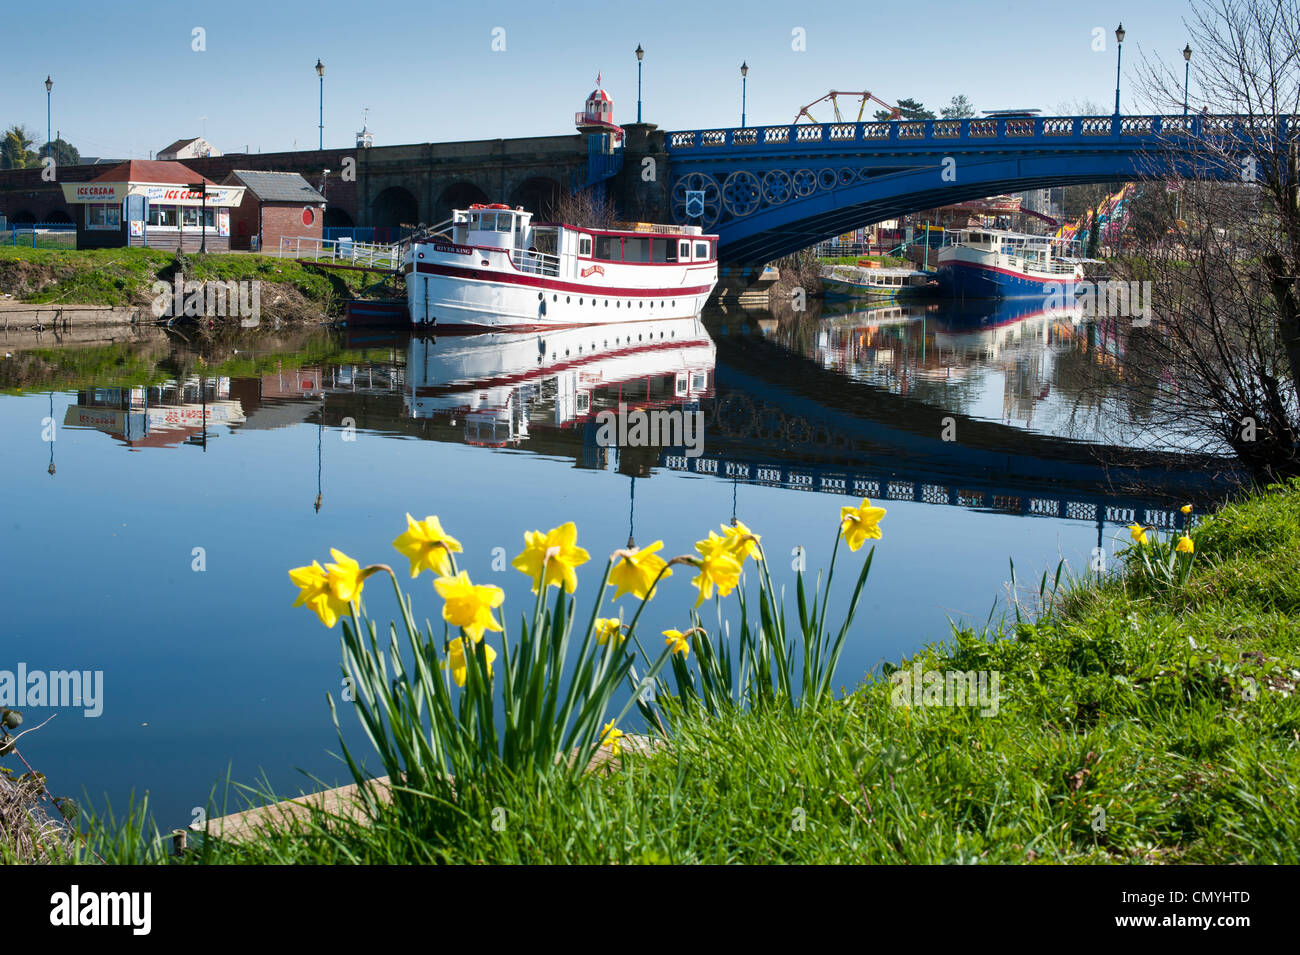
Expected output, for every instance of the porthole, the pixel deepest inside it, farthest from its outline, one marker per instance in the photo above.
(555, 298)
(607, 303)
(618, 304)
(540, 296)
(638, 304)
(579, 301)
(568, 300)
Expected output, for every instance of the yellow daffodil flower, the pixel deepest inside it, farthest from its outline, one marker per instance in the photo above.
(1138, 533)
(552, 555)
(610, 739)
(346, 578)
(677, 641)
(860, 524)
(1184, 545)
(739, 542)
(717, 568)
(458, 663)
(1186, 508)
(316, 594)
(636, 571)
(426, 544)
(608, 628)
(469, 606)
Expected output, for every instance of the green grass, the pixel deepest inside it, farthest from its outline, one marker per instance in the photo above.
(124, 277)
(1139, 721)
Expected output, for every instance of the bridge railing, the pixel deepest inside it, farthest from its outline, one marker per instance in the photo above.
(1053, 129)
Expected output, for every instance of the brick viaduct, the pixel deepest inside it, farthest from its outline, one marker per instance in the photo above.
(404, 185)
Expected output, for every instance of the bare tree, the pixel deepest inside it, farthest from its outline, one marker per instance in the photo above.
(1220, 365)
(584, 208)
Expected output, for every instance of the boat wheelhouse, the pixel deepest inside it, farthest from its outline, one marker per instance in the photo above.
(490, 267)
(991, 263)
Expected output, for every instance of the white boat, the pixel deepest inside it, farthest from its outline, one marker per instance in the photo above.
(491, 267)
(991, 263)
(856, 281)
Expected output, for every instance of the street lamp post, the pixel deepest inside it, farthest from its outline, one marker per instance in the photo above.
(320, 71)
(640, 54)
(1119, 56)
(202, 189)
(744, 82)
(1187, 72)
(49, 85)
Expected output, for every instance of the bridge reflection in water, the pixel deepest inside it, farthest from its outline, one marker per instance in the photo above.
(888, 403)
(986, 408)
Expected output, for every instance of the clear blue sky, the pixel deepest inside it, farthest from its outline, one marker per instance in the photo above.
(127, 81)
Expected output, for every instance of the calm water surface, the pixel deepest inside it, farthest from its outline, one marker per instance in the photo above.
(268, 449)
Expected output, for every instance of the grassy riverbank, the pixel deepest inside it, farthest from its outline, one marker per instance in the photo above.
(124, 278)
(1138, 721)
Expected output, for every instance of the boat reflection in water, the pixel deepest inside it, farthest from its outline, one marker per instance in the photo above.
(503, 386)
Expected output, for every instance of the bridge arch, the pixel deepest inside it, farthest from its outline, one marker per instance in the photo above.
(458, 195)
(538, 195)
(769, 191)
(394, 206)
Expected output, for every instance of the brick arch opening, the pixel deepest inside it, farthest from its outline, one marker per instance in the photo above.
(57, 215)
(25, 216)
(395, 206)
(538, 195)
(336, 218)
(459, 195)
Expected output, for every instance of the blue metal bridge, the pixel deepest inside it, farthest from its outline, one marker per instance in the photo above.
(772, 190)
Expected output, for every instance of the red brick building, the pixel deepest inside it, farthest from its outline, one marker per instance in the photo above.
(276, 205)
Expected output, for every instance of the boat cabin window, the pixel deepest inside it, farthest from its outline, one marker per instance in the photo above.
(584, 245)
(684, 250)
(701, 251)
(609, 248)
(636, 249)
(665, 250)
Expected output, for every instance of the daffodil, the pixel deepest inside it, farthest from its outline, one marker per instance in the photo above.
(677, 641)
(610, 739)
(457, 662)
(1184, 545)
(316, 595)
(717, 568)
(1138, 533)
(741, 542)
(860, 524)
(346, 578)
(636, 571)
(550, 558)
(608, 628)
(1186, 508)
(469, 606)
(426, 544)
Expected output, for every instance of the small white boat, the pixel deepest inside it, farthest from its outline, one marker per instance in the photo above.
(491, 267)
(859, 281)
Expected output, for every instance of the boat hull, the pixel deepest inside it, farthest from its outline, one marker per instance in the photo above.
(963, 277)
(455, 297)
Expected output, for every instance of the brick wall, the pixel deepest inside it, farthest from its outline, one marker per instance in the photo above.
(285, 220)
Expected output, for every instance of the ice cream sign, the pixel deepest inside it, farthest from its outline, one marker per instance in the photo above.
(185, 196)
(93, 191)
